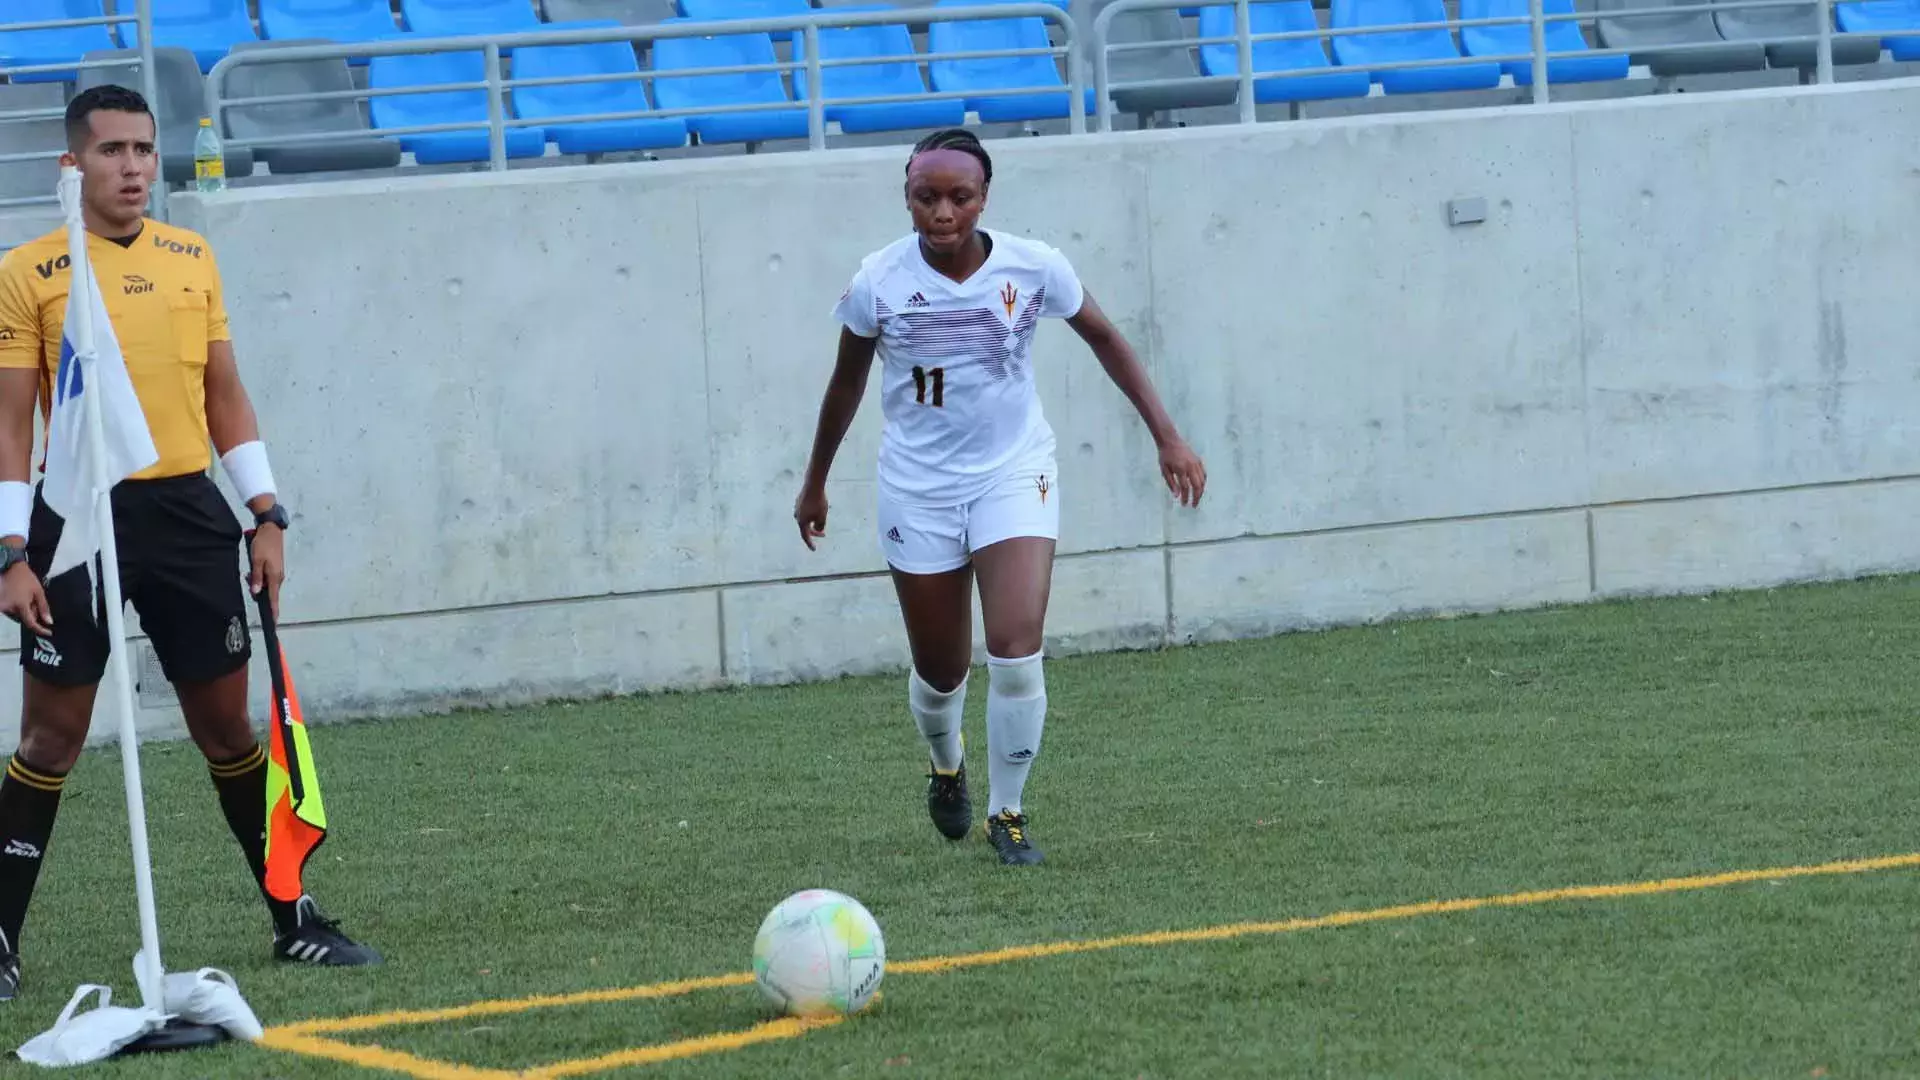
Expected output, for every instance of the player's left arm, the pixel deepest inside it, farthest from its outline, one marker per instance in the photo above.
(235, 431)
(1185, 474)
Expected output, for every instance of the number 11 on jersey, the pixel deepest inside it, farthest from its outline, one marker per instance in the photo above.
(920, 375)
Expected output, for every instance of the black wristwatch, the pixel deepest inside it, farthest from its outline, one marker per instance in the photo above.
(273, 515)
(9, 556)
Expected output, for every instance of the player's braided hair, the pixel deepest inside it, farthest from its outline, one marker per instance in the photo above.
(955, 139)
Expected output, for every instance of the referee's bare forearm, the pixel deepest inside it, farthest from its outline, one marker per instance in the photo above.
(19, 396)
(230, 416)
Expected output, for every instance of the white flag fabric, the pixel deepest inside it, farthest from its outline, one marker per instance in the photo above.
(90, 365)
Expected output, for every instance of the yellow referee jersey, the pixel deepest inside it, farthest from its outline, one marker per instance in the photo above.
(162, 292)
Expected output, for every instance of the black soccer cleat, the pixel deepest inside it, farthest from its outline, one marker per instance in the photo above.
(318, 940)
(1007, 831)
(948, 803)
(9, 976)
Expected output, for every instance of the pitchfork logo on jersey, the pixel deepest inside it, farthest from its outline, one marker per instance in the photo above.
(1008, 297)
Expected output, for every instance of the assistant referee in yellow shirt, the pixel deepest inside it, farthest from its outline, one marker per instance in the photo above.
(179, 543)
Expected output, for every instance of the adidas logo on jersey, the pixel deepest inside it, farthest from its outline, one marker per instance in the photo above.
(918, 300)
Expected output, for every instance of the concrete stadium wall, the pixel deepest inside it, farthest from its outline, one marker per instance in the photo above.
(543, 431)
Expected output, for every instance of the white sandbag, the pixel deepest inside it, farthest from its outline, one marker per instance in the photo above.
(208, 996)
(90, 1036)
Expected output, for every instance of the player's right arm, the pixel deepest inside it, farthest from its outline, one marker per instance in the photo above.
(21, 596)
(845, 388)
(859, 321)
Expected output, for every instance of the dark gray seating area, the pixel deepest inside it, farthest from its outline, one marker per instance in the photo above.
(1770, 24)
(1675, 43)
(1169, 65)
(30, 179)
(630, 12)
(307, 117)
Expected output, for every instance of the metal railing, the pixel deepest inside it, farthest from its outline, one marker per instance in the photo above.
(1821, 32)
(142, 20)
(808, 65)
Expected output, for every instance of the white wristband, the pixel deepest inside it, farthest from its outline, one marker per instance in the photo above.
(246, 466)
(16, 507)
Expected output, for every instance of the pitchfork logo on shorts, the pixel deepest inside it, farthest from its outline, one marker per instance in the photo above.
(236, 637)
(1041, 483)
(1008, 297)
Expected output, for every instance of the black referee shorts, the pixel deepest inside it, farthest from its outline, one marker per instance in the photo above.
(180, 560)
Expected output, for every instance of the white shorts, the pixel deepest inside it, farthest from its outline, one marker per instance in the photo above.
(934, 540)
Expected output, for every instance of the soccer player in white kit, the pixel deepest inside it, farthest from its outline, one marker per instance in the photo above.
(967, 479)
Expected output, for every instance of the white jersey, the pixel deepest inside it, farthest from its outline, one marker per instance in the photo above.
(957, 386)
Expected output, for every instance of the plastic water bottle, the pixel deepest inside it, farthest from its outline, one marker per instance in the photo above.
(209, 161)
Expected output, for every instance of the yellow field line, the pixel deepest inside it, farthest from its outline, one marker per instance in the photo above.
(788, 1028)
(514, 1005)
(298, 1037)
(378, 1057)
(1404, 911)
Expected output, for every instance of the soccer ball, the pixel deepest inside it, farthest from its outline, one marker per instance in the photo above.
(818, 953)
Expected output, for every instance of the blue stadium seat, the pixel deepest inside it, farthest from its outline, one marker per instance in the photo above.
(979, 78)
(1880, 16)
(707, 91)
(714, 10)
(451, 18)
(1301, 54)
(555, 103)
(442, 107)
(1518, 38)
(876, 80)
(335, 20)
(206, 28)
(1358, 50)
(20, 48)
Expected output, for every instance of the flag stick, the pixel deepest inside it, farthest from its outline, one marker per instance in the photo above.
(282, 704)
(84, 355)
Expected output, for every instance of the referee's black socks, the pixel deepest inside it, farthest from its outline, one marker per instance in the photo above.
(29, 799)
(242, 784)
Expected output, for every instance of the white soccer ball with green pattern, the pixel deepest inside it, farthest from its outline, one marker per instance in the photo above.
(819, 953)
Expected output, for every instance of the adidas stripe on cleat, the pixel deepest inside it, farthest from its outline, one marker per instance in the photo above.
(318, 940)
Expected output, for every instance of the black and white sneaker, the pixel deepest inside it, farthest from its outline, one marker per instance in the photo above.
(9, 976)
(318, 940)
(948, 803)
(1007, 831)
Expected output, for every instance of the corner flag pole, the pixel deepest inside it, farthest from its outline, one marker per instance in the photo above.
(84, 355)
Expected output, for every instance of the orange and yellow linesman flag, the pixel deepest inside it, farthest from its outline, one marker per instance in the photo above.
(296, 816)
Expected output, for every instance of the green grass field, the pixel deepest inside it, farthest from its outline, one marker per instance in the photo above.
(615, 843)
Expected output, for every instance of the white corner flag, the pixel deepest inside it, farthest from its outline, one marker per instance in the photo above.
(96, 437)
(78, 468)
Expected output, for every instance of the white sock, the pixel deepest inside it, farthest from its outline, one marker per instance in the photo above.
(1016, 711)
(939, 718)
